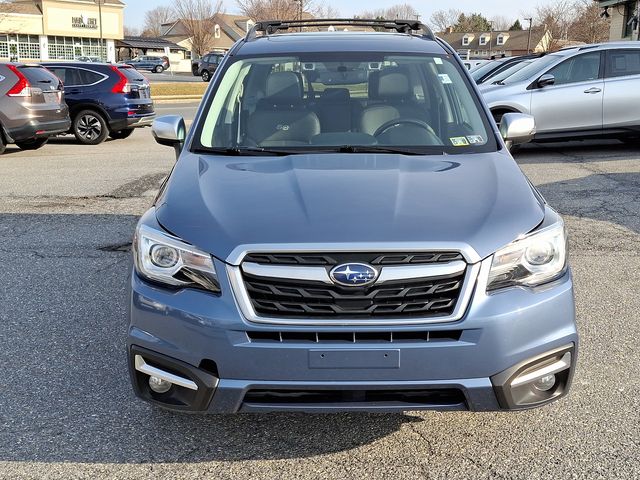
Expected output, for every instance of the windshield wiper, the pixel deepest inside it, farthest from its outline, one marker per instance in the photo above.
(383, 149)
(250, 151)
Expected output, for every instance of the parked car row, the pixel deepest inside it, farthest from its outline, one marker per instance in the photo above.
(92, 101)
(576, 93)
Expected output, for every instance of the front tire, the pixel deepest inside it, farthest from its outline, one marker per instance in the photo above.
(89, 127)
(158, 69)
(206, 76)
(32, 144)
(3, 144)
(121, 134)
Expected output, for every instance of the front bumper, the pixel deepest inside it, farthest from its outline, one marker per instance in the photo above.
(198, 333)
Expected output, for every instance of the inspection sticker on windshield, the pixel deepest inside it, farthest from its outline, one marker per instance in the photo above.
(475, 139)
(459, 141)
(438, 60)
(444, 78)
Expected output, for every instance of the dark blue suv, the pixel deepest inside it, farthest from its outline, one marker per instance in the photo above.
(104, 99)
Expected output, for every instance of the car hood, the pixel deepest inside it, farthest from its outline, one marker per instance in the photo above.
(220, 203)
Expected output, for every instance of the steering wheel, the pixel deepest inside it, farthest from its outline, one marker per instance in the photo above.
(403, 121)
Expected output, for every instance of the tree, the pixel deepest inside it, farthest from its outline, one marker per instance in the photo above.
(154, 19)
(284, 9)
(475, 22)
(516, 27)
(131, 31)
(589, 26)
(443, 19)
(556, 18)
(400, 11)
(198, 20)
(500, 23)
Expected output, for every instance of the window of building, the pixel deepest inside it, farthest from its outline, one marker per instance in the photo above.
(68, 48)
(465, 41)
(501, 39)
(216, 31)
(20, 47)
(629, 12)
(484, 40)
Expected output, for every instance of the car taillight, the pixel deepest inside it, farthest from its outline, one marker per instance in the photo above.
(122, 85)
(22, 88)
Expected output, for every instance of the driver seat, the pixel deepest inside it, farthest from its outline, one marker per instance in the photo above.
(390, 98)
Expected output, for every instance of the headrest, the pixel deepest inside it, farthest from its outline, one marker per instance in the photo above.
(284, 86)
(389, 83)
(336, 95)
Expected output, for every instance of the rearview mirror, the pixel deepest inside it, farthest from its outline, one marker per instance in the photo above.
(170, 130)
(517, 128)
(546, 80)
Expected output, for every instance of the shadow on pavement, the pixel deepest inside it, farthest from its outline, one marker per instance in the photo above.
(579, 151)
(66, 395)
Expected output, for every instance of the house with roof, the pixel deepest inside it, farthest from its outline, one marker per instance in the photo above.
(498, 44)
(227, 30)
(620, 13)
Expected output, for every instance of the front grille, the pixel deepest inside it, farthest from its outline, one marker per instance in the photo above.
(333, 259)
(398, 299)
(355, 337)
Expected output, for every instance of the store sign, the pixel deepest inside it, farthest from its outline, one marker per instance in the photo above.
(83, 21)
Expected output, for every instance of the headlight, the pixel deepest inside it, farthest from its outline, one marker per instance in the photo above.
(533, 260)
(166, 259)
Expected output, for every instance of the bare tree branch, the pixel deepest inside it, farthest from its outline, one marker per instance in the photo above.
(154, 19)
(443, 19)
(198, 20)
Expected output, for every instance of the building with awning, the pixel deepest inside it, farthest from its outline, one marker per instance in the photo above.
(621, 14)
(130, 47)
(35, 30)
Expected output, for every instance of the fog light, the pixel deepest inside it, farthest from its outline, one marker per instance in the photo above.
(159, 385)
(546, 383)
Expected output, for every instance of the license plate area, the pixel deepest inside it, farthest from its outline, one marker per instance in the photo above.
(354, 359)
(52, 97)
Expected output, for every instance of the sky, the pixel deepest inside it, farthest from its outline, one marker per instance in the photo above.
(134, 12)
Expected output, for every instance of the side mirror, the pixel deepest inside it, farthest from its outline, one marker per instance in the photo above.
(517, 128)
(546, 80)
(170, 130)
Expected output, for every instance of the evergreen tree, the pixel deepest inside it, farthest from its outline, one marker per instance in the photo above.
(516, 27)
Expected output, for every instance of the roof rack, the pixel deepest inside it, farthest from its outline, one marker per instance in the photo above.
(270, 27)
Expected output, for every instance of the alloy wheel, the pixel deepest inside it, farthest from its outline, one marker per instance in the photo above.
(89, 127)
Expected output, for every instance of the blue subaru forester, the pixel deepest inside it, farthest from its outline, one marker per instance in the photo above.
(345, 229)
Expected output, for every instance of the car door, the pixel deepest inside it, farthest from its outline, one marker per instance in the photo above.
(621, 88)
(574, 102)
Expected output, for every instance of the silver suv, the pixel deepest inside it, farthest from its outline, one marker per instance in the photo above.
(576, 93)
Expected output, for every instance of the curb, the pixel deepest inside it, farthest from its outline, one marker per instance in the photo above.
(176, 98)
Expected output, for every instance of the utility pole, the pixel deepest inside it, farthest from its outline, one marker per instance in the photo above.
(490, 38)
(100, 20)
(529, 40)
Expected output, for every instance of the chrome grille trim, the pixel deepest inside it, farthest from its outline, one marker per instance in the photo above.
(387, 273)
(245, 306)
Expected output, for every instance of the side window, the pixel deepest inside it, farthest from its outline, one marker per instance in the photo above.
(206, 59)
(580, 68)
(87, 77)
(61, 73)
(621, 63)
(69, 76)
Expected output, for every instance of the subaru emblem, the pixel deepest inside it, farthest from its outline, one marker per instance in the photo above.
(354, 274)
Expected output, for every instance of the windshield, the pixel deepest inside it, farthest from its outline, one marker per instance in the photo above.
(353, 102)
(532, 69)
(499, 77)
(482, 70)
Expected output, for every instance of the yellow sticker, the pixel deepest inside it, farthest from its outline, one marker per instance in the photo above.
(459, 141)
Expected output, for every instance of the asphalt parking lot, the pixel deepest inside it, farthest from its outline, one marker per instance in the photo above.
(67, 214)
